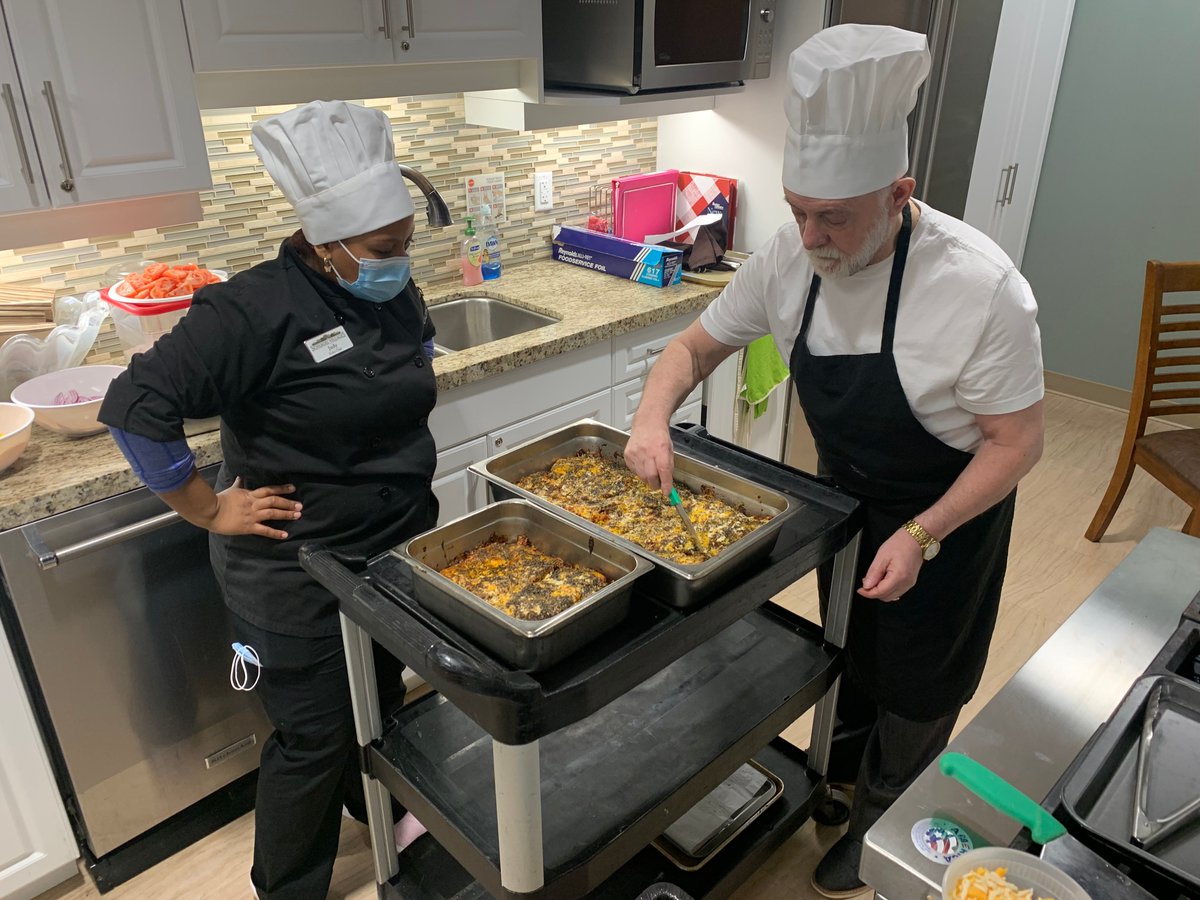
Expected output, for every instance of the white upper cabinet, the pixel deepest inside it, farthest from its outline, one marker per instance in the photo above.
(109, 90)
(233, 35)
(451, 30)
(227, 35)
(22, 186)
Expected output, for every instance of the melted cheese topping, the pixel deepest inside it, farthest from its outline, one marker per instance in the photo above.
(522, 581)
(604, 491)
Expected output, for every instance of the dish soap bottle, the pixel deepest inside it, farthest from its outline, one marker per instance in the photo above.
(472, 256)
(490, 236)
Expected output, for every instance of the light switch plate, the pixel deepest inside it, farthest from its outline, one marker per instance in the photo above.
(543, 191)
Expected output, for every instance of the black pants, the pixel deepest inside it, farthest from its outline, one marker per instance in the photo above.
(309, 764)
(880, 753)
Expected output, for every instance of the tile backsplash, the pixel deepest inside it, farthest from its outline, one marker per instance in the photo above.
(245, 216)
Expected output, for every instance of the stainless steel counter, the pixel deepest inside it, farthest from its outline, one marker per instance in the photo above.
(1038, 722)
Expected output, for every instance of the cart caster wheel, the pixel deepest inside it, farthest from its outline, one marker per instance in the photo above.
(834, 809)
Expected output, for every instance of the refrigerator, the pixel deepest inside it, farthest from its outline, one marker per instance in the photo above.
(944, 127)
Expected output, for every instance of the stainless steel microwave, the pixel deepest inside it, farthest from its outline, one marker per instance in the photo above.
(654, 45)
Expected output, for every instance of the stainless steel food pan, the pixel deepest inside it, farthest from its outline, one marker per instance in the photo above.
(678, 584)
(529, 645)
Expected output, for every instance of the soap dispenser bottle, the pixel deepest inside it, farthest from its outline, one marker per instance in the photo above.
(472, 256)
(490, 235)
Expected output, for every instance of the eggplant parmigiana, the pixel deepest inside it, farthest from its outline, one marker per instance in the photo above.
(604, 491)
(522, 581)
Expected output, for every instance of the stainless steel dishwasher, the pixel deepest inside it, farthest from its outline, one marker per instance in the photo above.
(127, 654)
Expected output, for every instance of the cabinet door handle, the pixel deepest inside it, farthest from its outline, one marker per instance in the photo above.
(22, 150)
(1012, 185)
(68, 182)
(1005, 177)
(411, 27)
(386, 27)
(47, 559)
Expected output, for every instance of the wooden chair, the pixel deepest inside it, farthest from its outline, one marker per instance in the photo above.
(1166, 383)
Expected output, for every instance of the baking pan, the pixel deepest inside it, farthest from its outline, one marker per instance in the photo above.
(738, 822)
(677, 584)
(1099, 794)
(527, 644)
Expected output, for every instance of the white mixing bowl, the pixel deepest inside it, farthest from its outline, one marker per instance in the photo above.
(43, 395)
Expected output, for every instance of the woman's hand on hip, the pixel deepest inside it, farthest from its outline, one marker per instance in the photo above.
(894, 570)
(650, 455)
(241, 511)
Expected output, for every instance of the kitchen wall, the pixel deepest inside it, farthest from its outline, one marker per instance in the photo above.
(1120, 183)
(245, 216)
(743, 137)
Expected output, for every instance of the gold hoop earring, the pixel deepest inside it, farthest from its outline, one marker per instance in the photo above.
(328, 266)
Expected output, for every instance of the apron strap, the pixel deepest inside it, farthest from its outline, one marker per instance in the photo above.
(893, 298)
(813, 287)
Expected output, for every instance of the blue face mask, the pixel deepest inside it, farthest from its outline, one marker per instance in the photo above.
(379, 280)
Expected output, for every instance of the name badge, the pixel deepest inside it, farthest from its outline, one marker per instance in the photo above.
(331, 343)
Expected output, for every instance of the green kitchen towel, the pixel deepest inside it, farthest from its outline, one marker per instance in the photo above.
(764, 371)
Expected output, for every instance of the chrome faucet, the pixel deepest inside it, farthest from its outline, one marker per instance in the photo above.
(436, 211)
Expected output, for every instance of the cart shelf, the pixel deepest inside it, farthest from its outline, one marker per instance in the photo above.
(428, 871)
(614, 781)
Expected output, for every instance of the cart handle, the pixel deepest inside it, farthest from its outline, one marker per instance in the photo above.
(699, 431)
(454, 665)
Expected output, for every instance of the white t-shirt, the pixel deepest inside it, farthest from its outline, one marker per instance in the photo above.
(966, 341)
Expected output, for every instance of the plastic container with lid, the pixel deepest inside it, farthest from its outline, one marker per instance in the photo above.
(139, 325)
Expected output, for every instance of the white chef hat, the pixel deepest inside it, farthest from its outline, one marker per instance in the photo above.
(336, 164)
(852, 88)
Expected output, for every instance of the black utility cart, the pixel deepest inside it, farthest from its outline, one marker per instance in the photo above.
(553, 784)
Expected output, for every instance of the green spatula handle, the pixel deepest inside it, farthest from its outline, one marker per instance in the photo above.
(676, 500)
(997, 792)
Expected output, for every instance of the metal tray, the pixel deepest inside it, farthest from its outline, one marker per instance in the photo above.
(677, 584)
(1099, 792)
(730, 830)
(526, 644)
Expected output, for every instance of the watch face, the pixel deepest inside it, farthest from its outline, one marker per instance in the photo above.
(932, 550)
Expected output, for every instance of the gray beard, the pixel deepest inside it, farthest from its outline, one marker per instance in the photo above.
(831, 263)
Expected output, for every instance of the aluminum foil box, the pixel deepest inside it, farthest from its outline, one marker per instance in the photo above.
(644, 263)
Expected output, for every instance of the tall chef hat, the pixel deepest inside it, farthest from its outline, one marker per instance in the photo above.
(336, 164)
(852, 88)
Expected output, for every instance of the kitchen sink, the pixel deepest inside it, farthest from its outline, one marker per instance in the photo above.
(470, 321)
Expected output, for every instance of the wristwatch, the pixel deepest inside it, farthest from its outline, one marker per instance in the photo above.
(929, 544)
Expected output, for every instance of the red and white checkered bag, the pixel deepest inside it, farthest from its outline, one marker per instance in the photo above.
(700, 193)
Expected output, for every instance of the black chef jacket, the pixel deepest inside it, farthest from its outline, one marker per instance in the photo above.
(349, 431)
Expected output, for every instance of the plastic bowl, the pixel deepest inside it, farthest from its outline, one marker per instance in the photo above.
(116, 292)
(71, 419)
(16, 422)
(1025, 871)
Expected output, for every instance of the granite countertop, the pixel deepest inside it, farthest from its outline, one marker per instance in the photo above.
(55, 474)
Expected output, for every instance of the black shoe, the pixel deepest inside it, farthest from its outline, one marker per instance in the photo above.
(836, 875)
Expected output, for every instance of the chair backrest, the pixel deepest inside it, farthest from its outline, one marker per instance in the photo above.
(1167, 380)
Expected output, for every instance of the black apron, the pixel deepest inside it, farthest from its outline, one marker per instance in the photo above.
(922, 656)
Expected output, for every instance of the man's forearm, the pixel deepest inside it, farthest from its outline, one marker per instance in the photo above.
(673, 377)
(986, 480)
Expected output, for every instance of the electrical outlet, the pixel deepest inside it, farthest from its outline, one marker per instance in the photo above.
(543, 191)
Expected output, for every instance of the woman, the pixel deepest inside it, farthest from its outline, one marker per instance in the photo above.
(318, 363)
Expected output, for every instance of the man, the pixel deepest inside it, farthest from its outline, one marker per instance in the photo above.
(913, 345)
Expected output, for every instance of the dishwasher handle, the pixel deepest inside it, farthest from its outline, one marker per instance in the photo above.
(47, 559)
